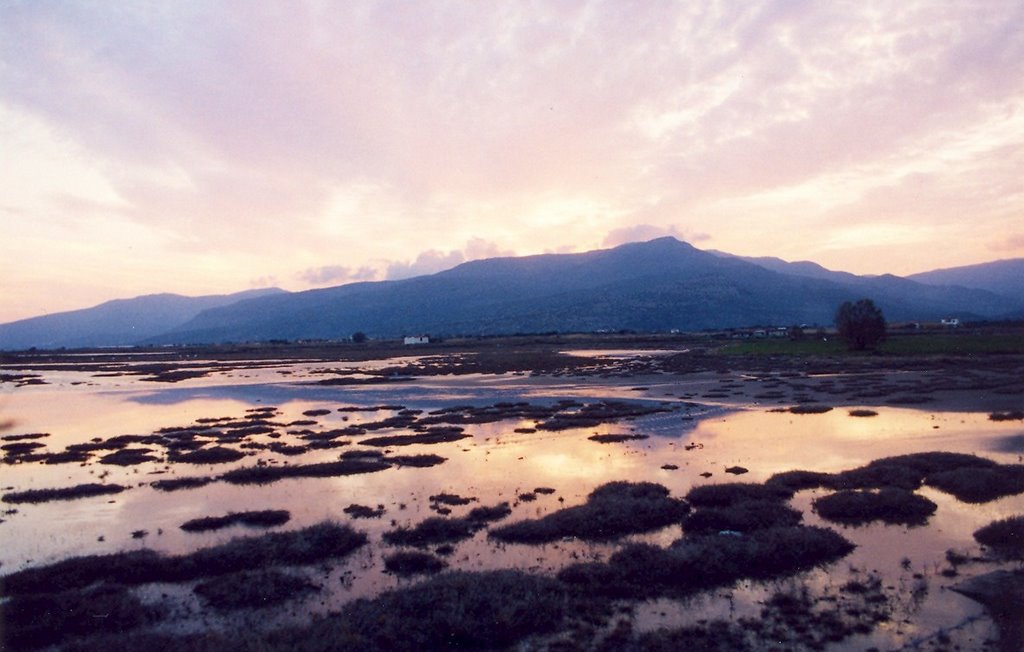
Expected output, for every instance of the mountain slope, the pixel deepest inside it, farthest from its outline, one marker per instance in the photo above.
(114, 323)
(1005, 277)
(657, 285)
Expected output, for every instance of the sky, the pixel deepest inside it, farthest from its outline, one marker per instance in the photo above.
(212, 147)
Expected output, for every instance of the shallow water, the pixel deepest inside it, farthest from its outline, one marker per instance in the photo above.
(495, 464)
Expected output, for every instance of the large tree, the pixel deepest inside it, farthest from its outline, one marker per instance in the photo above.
(861, 324)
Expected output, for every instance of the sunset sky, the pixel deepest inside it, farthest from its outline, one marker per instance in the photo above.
(210, 147)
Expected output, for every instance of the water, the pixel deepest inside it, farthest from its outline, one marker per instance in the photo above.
(495, 464)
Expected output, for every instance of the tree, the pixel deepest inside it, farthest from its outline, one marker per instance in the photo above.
(359, 337)
(861, 324)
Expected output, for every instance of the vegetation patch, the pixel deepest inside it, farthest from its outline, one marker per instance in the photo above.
(214, 455)
(450, 499)
(260, 518)
(455, 610)
(433, 531)
(889, 505)
(611, 510)
(1005, 536)
(810, 409)
(129, 457)
(793, 481)
(306, 546)
(62, 493)
(704, 562)
(863, 413)
(363, 511)
(405, 563)
(437, 437)
(252, 589)
(174, 484)
(487, 514)
(973, 485)
(35, 621)
(1012, 415)
(418, 461)
(268, 474)
(609, 439)
(743, 516)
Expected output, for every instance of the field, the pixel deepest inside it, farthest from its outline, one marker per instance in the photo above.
(584, 492)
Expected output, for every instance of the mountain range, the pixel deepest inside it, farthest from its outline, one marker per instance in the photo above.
(659, 285)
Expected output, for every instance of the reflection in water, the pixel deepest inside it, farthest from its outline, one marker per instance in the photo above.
(496, 464)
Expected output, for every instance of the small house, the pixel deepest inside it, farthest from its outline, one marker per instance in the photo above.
(417, 339)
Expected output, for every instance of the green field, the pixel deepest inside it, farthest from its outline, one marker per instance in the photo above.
(915, 344)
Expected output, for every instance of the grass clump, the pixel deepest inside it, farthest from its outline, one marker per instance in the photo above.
(432, 531)
(731, 493)
(486, 514)
(174, 484)
(810, 409)
(610, 439)
(306, 546)
(214, 455)
(406, 563)
(252, 589)
(417, 461)
(690, 565)
(793, 481)
(889, 505)
(268, 474)
(62, 493)
(863, 413)
(611, 510)
(1012, 415)
(364, 511)
(1005, 536)
(260, 518)
(35, 621)
(435, 437)
(974, 485)
(743, 516)
(455, 610)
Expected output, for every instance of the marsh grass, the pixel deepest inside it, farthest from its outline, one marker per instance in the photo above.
(213, 455)
(611, 510)
(703, 562)
(728, 494)
(432, 531)
(258, 518)
(743, 516)
(1005, 536)
(980, 485)
(268, 474)
(406, 563)
(252, 589)
(62, 493)
(35, 621)
(455, 610)
(299, 547)
(610, 439)
(889, 505)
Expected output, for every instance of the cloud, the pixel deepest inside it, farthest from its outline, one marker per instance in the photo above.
(645, 232)
(433, 261)
(428, 262)
(268, 281)
(325, 274)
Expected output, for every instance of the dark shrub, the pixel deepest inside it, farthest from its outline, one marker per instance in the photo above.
(889, 505)
(251, 589)
(742, 517)
(261, 518)
(1005, 536)
(432, 531)
(47, 619)
(63, 493)
(405, 563)
(215, 455)
(974, 485)
(487, 514)
(457, 610)
(612, 510)
(794, 481)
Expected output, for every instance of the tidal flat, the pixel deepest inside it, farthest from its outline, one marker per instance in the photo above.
(529, 493)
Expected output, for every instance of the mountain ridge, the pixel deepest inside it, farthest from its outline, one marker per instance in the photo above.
(659, 285)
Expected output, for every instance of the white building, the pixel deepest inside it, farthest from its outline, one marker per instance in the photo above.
(417, 339)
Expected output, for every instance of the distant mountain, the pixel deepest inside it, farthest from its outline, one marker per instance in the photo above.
(652, 286)
(1005, 277)
(114, 323)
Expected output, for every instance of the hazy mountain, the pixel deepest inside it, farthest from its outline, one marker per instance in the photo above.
(114, 323)
(1005, 277)
(657, 285)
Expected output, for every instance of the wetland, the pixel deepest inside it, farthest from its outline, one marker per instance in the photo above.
(557, 493)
